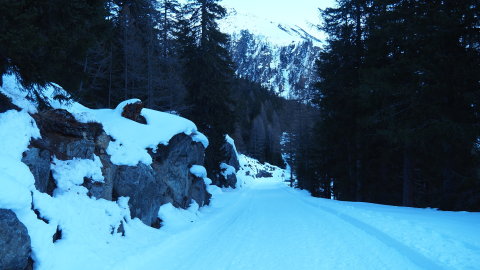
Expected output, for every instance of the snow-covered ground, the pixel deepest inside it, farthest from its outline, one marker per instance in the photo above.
(271, 226)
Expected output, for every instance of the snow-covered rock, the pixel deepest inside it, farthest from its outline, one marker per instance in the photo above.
(83, 177)
(198, 171)
(14, 242)
(232, 154)
(229, 167)
(172, 165)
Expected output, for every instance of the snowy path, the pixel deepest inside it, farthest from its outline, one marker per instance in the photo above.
(269, 226)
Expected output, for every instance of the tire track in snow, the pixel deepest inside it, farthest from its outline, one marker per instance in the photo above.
(212, 247)
(417, 258)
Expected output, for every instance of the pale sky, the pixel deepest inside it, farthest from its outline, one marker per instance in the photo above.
(293, 12)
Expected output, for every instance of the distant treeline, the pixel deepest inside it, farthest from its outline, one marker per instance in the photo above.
(398, 93)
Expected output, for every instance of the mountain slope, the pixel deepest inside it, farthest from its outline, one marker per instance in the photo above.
(280, 55)
(287, 70)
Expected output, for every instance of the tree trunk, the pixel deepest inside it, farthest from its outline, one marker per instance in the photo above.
(407, 177)
(110, 77)
(125, 52)
(165, 30)
(358, 177)
(150, 101)
(203, 23)
(85, 65)
(448, 184)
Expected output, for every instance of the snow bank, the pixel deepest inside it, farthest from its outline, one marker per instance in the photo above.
(16, 180)
(69, 175)
(16, 130)
(175, 218)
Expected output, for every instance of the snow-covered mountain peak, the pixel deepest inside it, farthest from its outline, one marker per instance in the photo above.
(275, 43)
(274, 32)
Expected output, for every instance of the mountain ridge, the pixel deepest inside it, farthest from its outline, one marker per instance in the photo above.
(278, 56)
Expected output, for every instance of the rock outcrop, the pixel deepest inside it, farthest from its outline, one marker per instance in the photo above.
(38, 160)
(232, 158)
(166, 180)
(263, 174)
(228, 179)
(148, 186)
(62, 137)
(133, 112)
(140, 185)
(172, 165)
(14, 242)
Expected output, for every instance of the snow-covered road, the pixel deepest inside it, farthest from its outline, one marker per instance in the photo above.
(270, 226)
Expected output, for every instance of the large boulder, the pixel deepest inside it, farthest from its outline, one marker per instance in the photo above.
(167, 180)
(228, 179)
(39, 160)
(231, 154)
(133, 111)
(63, 137)
(172, 165)
(14, 242)
(140, 185)
(199, 192)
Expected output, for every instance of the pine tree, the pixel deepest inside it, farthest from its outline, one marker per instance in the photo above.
(208, 73)
(407, 89)
(46, 41)
(338, 95)
(169, 16)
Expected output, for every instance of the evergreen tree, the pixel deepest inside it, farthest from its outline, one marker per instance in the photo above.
(169, 16)
(46, 41)
(209, 74)
(399, 102)
(173, 90)
(338, 98)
